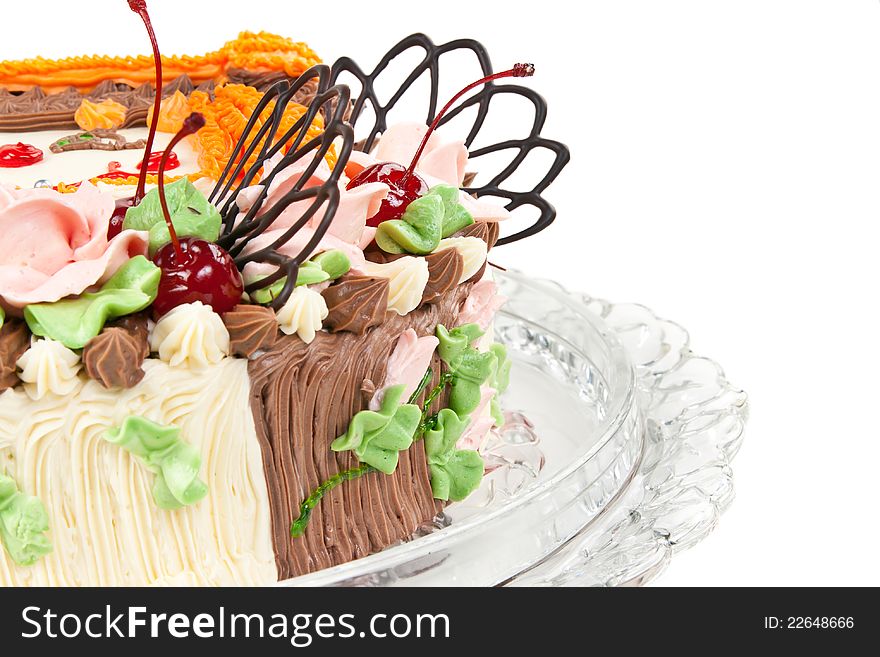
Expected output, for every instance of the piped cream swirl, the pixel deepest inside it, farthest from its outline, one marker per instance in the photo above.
(191, 335)
(49, 367)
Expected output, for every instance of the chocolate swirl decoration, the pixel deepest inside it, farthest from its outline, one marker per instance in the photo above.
(356, 303)
(430, 64)
(251, 329)
(331, 102)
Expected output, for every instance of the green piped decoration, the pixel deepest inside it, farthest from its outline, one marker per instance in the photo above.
(192, 214)
(327, 266)
(377, 437)
(500, 380)
(161, 450)
(469, 368)
(23, 523)
(455, 473)
(425, 222)
(2, 317)
(73, 322)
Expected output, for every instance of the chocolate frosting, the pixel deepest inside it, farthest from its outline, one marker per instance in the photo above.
(15, 338)
(251, 329)
(114, 358)
(485, 230)
(444, 271)
(138, 326)
(36, 110)
(302, 398)
(355, 303)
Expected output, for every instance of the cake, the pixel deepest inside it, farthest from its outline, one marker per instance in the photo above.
(236, 347)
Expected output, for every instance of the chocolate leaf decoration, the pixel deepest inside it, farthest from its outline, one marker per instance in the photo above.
(377, 437)
(14, 341)
(356, 303)
(73, 322)
(191, 213)
(23, 523)
(455, 473)
(251, 328)
(444, 271)
(114, 359)
(370, 117)
(161, 450)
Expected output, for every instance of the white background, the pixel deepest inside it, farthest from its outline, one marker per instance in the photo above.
(725, 172)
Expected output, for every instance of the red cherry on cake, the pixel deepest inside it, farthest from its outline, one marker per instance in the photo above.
(118, 216)
(402, 189)
(193, 269)
(404, 184)
(205, 273)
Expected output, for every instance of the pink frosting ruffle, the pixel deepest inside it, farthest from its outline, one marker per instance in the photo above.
(55, 245)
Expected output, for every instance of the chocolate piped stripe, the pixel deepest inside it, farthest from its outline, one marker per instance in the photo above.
(302, 398)
(114, 359)
(15, 338)
(137, 326)
(251, 329)
(444, 271)
(356, 303)
(36, 110)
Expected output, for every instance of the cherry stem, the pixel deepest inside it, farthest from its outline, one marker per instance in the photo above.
(140, 7)
(518, 71)
(191, 125)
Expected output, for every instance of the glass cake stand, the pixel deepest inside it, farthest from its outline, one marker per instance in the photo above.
(615, 454)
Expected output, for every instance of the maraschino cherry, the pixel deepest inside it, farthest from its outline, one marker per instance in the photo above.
(404, 184)
(122, 205)
(193, 269)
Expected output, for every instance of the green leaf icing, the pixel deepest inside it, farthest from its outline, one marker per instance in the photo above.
(501, 374)
(327, 266)
(23, 521)
(455, 215)
(455, 473)
(191, 213)
(161, 450)
(470, 368)
(73, 322)
(376, 437)
(499, 380)
(425, 222)
(2, 316)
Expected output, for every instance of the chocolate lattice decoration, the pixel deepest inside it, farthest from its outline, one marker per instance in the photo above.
(331, 102)
(482, 99)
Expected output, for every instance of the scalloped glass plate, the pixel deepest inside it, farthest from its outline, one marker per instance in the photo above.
(615, 453)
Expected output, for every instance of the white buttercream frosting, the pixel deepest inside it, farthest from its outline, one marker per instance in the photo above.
(407, 278)
(49, 367)
(103, 521)
(472, 249)
(191, 335)
(303, 313)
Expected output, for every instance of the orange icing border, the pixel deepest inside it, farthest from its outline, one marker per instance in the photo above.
(255, 51)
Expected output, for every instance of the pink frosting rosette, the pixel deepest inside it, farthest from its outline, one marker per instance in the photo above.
(55, 245)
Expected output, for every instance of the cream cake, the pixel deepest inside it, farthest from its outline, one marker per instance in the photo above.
(234, 349)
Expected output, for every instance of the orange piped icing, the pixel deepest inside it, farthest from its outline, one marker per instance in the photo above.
(226, 117)
(260, 51)
(172, 112)
(106, 115)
